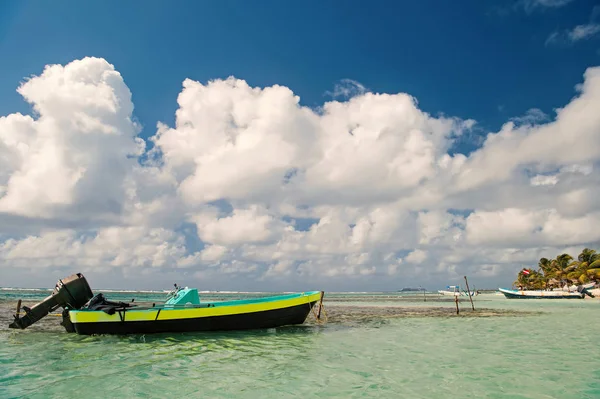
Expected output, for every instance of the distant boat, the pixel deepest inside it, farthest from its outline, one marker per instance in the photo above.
(407, 289)
(540, 294)
(454, 290)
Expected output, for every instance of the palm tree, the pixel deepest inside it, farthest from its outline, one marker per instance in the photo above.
(562, 266)
(534, 280)
(594, 271)
(589, 265)
(545, 266)
(578, 271)
(589, 256)
(563, 269)
(522, 280)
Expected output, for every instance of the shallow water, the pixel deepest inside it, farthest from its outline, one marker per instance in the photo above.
(373, 346)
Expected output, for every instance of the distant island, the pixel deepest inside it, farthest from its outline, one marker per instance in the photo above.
(406, 289)
(564, 270)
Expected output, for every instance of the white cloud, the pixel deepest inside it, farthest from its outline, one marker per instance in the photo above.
(416, 256)
(504, 227)
(532, 116)
(213, 253)
(529, 6)
(578, 33)
(539, 5)
(528, 228)
(543, 146)
(118, 247)
(544, 180)
(581, 32)
(250, 183)
(347, 88)
(224, 129)
(576, 168)
(440, 228)
(253, 225)
(553, 179)
(547, 3)
(75, 155)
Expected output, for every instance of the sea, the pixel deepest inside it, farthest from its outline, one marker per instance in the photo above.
(366, 345)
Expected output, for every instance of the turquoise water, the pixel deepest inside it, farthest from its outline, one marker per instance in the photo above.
(549, 354)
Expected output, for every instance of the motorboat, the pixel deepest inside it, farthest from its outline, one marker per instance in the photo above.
(85, 313)
(544, 294)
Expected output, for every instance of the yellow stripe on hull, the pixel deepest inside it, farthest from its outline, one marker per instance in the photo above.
(95, 316)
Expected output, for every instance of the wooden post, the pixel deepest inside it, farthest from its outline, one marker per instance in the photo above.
(424, 296)
(320, 305)
(18, 308)
(456, 302)
(469, 292)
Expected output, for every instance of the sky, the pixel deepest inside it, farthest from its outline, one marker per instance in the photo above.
(336, 145)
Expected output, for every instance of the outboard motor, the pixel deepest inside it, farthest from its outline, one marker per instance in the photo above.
(584, 291)
(70, 293)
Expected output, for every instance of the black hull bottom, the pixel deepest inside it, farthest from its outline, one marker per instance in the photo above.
(247, 321)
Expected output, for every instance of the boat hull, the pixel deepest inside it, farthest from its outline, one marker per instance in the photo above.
(514, 294)
(209, 317)
(455, 293)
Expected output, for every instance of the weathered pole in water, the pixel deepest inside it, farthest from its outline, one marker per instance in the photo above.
(456, 302)
(469, 292)
(320, 305)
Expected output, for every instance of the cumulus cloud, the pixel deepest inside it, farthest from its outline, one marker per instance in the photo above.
(252, 225)
(251, 183)
(119, 247)
(541, 147)
(416, 256)
(74, 156)
(235, 141)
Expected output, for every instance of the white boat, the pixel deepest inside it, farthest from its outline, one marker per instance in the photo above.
(454, 290)
(541, 294)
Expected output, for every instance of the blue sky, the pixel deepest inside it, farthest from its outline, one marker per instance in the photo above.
(485, 60)
(297, 198)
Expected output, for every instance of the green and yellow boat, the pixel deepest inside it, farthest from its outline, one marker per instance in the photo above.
(85, 313)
